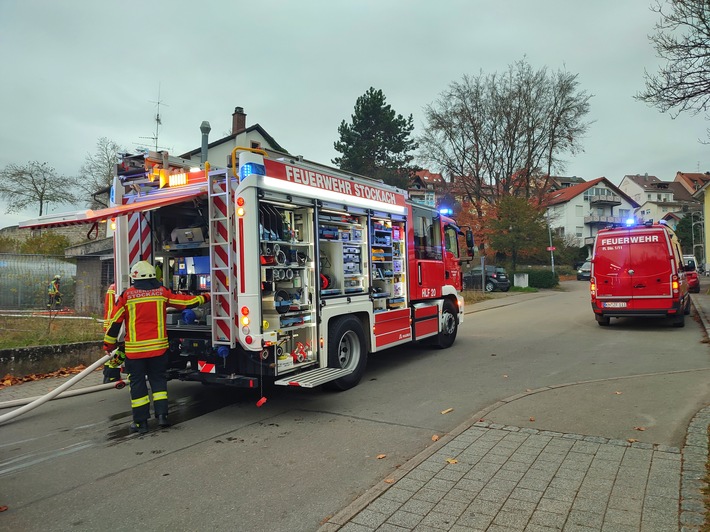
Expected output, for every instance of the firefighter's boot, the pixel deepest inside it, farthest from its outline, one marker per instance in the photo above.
(163, 421)
(141, 427)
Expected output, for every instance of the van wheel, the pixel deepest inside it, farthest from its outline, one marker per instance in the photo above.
(449, 327)
(679, 320)
(603, 321)
(686, 311)
(346, 349)
(490, 287)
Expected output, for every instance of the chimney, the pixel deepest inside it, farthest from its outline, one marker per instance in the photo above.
(239, 120)
(205, 129)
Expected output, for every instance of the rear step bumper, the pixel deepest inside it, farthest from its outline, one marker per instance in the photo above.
(313, 378)
(238, 381)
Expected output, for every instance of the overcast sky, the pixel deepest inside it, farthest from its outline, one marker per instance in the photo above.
(77, 70)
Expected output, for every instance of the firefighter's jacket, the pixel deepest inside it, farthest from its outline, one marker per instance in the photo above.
(144, 314)
(53, 288)
(109, 304)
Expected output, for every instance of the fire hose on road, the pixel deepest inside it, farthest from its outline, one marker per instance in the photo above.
(35, 402)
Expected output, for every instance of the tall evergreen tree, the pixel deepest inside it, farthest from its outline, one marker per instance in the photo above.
(377, 143)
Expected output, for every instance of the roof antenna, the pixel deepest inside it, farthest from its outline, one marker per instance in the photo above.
(158, 122)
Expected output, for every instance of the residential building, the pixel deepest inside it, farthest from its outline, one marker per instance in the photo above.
(692, 182)
(576, 213)
(424, 186)
(639, 187)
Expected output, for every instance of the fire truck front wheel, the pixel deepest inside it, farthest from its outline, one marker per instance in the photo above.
(449, 327)
(347, 349)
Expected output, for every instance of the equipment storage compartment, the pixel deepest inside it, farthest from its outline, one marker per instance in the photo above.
(388, 256)
(342, 264)
(287, 286)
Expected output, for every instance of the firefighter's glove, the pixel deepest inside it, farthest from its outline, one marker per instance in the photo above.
(109, 347)
(116, 361)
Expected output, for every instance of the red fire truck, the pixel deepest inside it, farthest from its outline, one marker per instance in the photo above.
(310, 268)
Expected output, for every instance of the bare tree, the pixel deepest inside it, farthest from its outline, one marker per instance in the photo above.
(497, 135)
(34, 184)
(682, 39)
(96, 174)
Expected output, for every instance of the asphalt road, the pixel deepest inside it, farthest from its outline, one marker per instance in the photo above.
(228, 465)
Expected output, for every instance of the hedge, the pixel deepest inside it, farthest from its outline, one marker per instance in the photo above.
(542, 278)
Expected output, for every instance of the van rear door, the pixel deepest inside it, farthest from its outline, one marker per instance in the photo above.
(633, 265)
(651, 266)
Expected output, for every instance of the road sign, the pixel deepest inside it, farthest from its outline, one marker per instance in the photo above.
(551, 248)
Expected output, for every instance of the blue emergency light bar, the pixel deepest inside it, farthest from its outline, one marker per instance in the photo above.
(248, 169)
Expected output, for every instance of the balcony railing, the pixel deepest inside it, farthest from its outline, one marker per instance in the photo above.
(592, 220)
(605, 199)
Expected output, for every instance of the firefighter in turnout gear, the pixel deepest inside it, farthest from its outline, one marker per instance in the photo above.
(112, 368)
(54, 295)
(142, 308)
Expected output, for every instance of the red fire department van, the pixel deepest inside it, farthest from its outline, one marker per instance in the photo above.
(638, 271)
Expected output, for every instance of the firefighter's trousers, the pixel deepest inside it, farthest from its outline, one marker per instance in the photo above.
(154, 368)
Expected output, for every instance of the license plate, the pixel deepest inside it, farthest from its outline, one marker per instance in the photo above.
(614, 304)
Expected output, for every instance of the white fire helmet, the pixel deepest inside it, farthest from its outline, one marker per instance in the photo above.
(142, 270)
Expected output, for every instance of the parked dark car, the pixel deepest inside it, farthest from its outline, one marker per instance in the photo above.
(496, 279)
(691, 274)
(584, 272)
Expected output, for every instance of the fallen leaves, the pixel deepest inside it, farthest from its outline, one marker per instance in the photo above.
(532, 418)
(640, 428)
(389, 481)
(435, 437)
(447, 411)
(3, 508)
(381, 456)
(11, 380)
(505, 376)
(632, 440)
(618, 393)
(452, 461)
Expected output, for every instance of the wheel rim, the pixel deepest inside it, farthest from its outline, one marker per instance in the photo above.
(489, 287)
(449, 323)
(348, 349)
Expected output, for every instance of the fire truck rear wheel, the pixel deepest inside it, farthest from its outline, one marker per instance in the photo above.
(449, 327)
(346, 349)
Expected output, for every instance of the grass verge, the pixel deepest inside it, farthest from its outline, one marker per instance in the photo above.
(41, 330)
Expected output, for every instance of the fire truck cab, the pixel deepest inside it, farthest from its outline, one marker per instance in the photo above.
(310, 268)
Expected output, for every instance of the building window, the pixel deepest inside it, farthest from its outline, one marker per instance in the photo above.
(578, 211)
(578, 231)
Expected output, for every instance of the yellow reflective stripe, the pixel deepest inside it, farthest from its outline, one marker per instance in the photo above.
(157, 349)
(141, 401)
(156, 342)
(197, 300)
(118, 315)
(160, 314)
(157, 396)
